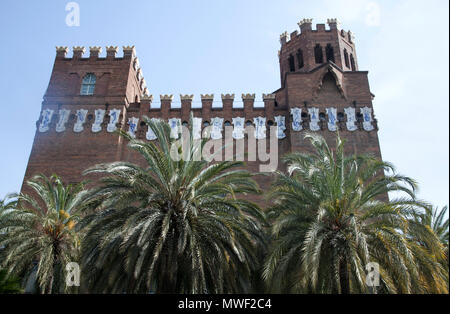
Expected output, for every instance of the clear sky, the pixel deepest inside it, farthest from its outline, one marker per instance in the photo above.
(230, 46)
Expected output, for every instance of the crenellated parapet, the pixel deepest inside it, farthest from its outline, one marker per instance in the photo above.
(305, 25)
(95, 51)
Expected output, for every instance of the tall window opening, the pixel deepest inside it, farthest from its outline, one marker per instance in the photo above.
(318, 53)
(347, 64)
(291, 63)
(352, 62)
(300, 59)
(329, 51)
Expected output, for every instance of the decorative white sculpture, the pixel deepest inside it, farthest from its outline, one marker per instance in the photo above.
(46, 119)
(332, 121)
(175, 127)
(81, 119)
(63, 118)
(114, 115)
(296, 119)
(196, 128)
(216, 128)
(238, 128)
(260, 127)
(150, 135)
(367, 118)
(314, 117)
(132, 122)
(281, 126)
(351, 118)
(99, 115)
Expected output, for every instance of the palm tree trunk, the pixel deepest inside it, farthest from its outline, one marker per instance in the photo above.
(344, 276)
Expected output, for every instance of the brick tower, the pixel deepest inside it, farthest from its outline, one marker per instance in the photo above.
(322, 90)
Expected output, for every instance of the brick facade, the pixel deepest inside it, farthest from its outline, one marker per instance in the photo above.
(120, 85)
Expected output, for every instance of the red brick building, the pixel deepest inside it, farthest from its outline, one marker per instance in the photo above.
(322, 90)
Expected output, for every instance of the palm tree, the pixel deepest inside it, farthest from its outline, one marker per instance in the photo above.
(172, 226)
(434, 219)
(428, 220)
(41, 230)
(331, 218)
(9, 284)
(9, 202)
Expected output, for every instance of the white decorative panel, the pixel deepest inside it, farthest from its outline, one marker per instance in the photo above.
(114, 115)
(175, 127)
(216, 128)
(196, 128)
(132, 126)
(296, 119)
(238, 128)
(332, 119)
(351, 118)
(367, 118)
(81, 119)
(281, 126)
(46, 119)
(314, 119)
(260, 127)
(63, 118)
(99, 115)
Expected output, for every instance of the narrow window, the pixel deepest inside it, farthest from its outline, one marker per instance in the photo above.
(329, 51)
(291, 63)
(322, 116)
(88, 84)
(352, 61)
(300, 59)
(318, 53)
(347, 64)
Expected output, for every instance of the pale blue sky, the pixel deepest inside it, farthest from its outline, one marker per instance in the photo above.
(230, 46)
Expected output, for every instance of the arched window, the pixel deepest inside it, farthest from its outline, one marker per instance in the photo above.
(291, 63)
(352, 62)
(347, 64)
(88, 84)
(329, 51)
(300, 59)
(318, 53)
